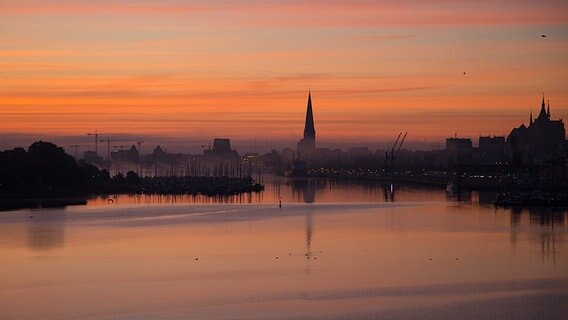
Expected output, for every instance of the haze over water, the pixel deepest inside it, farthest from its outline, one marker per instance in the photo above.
(333, 251)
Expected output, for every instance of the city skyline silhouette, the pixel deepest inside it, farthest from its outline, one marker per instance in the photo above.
(178, 70)
(283, 159)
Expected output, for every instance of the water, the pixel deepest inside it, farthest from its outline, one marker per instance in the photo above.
(333, 251)
(297, 190)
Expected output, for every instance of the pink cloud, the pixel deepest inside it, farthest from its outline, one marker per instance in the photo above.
(322, 13)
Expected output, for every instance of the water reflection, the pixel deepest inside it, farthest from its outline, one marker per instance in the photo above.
(547, 216)
(309, 235)
(458, 195)
(389, 190)
(309, 232)
(369, 251)
(46, 230)
(544, 221)
(487, 197)
(542, 216)
(298, 190)
(304, 190)
(243, 198)
(546, 227)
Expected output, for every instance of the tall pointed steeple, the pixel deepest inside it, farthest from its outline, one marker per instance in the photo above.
(307, 145)
(542, 114)
(309, 128)
(548, 109)
(531, 119)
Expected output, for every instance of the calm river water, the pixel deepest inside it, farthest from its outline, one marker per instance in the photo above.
(335, 250)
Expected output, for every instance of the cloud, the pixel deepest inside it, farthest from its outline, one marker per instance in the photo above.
(318, 13)
(385, 37)
(342, 92)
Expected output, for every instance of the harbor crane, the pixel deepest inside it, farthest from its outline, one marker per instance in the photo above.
(96, 135)
(392, 154)
(108, 147)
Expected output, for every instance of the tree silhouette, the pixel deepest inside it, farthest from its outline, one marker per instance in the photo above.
(43, 167)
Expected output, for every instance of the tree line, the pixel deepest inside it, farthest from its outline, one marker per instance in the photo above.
(45, 169)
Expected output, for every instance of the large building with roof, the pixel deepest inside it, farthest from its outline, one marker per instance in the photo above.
(543, 141)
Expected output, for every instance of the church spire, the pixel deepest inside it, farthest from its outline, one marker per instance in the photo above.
(531, 119)
(309, 128)
(548, 109)
(542, 114)
(307, 144)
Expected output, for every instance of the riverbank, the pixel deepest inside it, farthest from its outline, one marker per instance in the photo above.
(532, 199)
(40, 202)
(469, 183)
(209, 186)
(53, 198)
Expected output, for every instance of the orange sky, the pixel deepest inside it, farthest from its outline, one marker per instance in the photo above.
(200, 69)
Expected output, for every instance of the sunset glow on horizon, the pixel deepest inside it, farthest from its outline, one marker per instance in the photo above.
(242, 70)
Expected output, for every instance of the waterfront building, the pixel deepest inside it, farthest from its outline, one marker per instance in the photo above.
(492, 150)
(130, 155)
(93, 158)
(541, 142)
(459, 151)
(221, 151)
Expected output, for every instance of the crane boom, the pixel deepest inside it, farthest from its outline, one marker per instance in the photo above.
(394, 145)
(394, 150)
(399, 146)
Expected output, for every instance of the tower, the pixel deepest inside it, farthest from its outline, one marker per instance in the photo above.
(309, 129)
(548, 109)
(542, 114)
(308, 144)
(542, 142)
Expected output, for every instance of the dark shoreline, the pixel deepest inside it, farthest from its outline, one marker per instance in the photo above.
(442, 183)
(57, 198)
(38, 203)
(223, 186)
(525, 196)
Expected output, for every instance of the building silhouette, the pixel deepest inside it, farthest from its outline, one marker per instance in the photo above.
(494, 144)
(542, 142)
(459, 151)
(307, 145)
(492, 150)
(221, 160)
(221, 151)
(93, 158)
(159, 155)
(129, 155)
